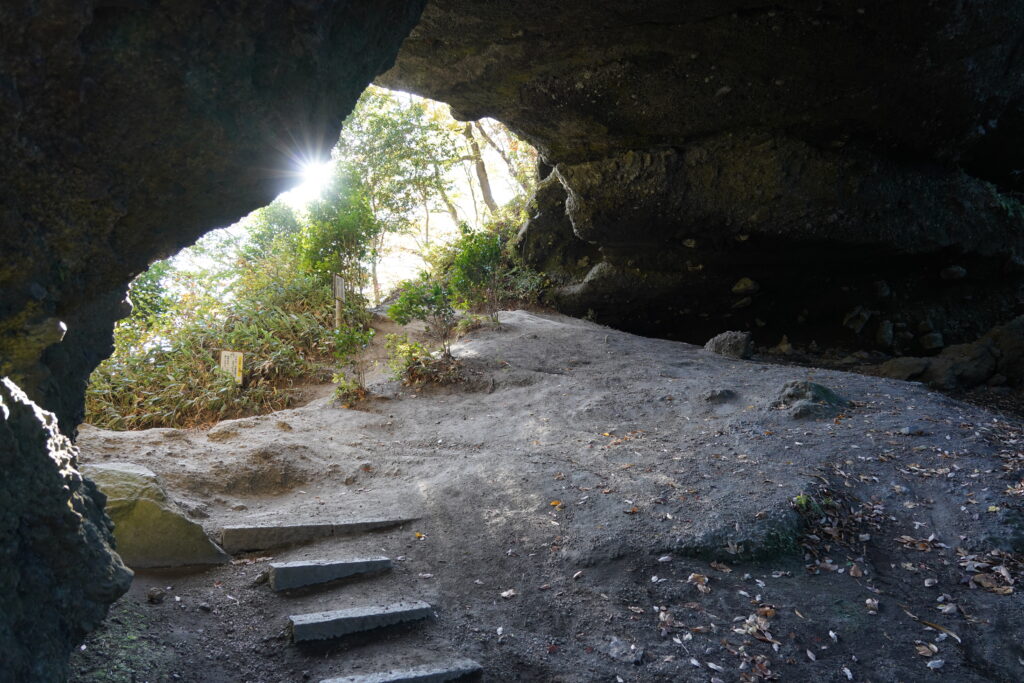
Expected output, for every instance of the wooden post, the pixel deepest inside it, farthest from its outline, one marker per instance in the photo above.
(339, 300)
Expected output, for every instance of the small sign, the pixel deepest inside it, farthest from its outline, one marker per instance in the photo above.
(339, 288)
(231, 363)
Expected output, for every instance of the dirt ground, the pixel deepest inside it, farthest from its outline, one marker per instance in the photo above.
(655, 513)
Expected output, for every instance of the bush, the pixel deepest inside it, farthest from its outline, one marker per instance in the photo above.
(429, 301)
(484, 271)
(477, 272)
(412, 363)
(165, 369)
(349, 343)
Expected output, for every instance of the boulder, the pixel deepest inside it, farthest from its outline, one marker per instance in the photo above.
(733, 344)
(150, 529)
(998, 356)
(807, 399)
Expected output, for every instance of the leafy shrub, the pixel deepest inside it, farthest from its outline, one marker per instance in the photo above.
(484, 271)
(477, 272)
(431, 302)
(412, 363)
(165, 369)
(349, 391)
(349, 342)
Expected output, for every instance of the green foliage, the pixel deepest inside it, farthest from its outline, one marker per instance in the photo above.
(476, 270)
(349, 391)
(484, 271)
(272, 230)
(349, 342)
(431, 302)
(412, 363)
(264, 296)
(168, 375)
(400, 152)
(148, 293)
(340, 230)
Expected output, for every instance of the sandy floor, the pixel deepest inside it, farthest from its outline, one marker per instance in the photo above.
(653, 526)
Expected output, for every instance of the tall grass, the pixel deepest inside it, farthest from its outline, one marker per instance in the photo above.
(165, 371)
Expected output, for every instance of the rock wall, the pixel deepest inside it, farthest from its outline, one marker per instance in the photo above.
(857, 162)
(58, 573)
(128, 128)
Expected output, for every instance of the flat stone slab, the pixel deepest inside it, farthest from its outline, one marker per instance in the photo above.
(235, 539)
(342, 622)
(285, 575)
(427, 673)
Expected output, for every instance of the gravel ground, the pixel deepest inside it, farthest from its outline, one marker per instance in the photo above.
(654, 510)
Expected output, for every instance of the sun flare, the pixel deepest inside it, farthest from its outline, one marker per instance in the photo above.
(315, 176)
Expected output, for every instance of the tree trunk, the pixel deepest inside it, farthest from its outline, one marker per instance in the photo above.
(512, 171)
(481, 170)
(426, 223)
(444, 197)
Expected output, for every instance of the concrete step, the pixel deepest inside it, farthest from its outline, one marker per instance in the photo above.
(441, 672)
(285, 575)
(342, 622)
(235, 539)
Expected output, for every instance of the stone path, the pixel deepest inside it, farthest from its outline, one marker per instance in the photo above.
(334, 624)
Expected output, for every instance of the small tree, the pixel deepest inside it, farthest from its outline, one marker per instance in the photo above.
(341, 228)
(431, 302)
(477, 270)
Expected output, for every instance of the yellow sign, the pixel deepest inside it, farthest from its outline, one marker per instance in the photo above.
(231, 363)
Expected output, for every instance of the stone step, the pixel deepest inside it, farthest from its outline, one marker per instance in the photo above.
(235, 539)
(342, 622)
(286, 575)
(441, 672)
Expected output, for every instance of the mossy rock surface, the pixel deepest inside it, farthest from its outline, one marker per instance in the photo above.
(150, 529)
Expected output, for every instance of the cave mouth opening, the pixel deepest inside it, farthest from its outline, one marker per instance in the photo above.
(286, 285)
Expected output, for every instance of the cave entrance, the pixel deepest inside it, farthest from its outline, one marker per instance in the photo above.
(403, 190)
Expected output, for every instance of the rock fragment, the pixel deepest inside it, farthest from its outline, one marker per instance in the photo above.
(734, 344)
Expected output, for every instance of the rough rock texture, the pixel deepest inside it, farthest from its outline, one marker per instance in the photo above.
(858, 160)
(58, 572)
(996, 358)
(732, 343)
(128, 128)
(151, 531)
(810, 400)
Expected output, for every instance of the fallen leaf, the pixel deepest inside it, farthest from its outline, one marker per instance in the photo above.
(510, 593)
(700, 581)
(721, 567)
